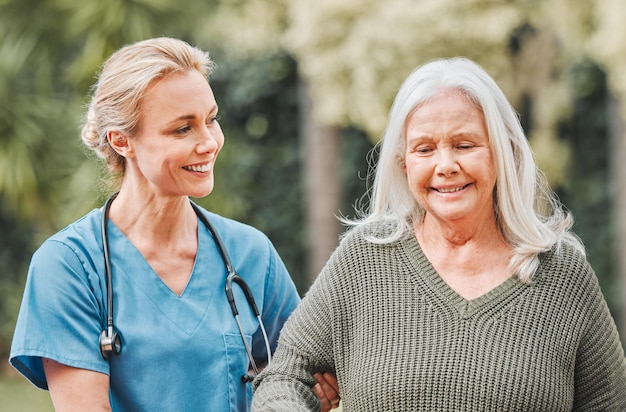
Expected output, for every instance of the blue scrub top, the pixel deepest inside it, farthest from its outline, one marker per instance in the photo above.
(179, 353)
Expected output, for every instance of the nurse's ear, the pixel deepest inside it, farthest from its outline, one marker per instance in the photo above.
(120, 143)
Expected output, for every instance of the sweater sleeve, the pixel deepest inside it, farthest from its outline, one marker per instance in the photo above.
(600, 372)
(280, 300)
(305, 347)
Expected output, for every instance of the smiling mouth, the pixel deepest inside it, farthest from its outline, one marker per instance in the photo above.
(198, 168)
(450, 189)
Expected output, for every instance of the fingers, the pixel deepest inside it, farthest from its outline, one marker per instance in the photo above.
(327, 389)
(331, 380)
(326, 403)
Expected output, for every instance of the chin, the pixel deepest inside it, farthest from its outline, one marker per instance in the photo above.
(199, 193)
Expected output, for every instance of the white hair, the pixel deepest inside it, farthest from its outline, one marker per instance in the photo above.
(528, 214)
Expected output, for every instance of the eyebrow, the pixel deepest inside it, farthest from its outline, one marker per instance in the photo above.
(455, 136)
(215, 109)
(183, 117)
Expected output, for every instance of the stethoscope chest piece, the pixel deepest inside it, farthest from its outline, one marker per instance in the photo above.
(110, 343)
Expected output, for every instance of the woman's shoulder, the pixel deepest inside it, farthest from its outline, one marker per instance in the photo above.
(230, 228)
(367, 241)
(380, 233)
(565, 258)
(566, 266)
(75, 250)
(84, 231)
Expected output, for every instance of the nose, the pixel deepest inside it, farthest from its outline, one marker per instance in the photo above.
(210, 139)
(446, 163)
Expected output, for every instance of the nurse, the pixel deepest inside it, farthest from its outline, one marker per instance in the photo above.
(153, 118)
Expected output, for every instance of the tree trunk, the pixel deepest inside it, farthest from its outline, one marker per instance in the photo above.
(322, 185)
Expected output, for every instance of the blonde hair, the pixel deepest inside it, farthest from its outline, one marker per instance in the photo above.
(123, 81)
(528, 214)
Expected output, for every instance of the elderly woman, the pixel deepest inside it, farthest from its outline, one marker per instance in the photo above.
(462, 287)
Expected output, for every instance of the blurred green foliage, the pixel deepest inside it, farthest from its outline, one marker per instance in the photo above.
(47, 179)
(259, 172)
(49, 55)
(18, 394)
(590, 187)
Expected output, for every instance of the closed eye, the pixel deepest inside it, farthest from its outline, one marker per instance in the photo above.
(423, 149)
(465, 146)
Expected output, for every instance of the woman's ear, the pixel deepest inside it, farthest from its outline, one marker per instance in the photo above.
(402, 162)
(120, 143)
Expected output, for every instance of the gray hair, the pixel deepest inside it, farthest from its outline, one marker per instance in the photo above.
(528, 214)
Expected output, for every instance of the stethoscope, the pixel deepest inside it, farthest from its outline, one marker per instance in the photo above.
(110, 341)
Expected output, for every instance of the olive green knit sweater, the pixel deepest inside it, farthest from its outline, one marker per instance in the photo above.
(399, 339)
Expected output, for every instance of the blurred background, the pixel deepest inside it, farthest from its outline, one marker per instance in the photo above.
(304, 89)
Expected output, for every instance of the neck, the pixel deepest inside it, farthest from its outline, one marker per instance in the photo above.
(466, 249)
(155, 218)
(456, 234)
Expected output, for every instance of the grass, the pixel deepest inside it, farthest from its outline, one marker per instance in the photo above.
(19, 395)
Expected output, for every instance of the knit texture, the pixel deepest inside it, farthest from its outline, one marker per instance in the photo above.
(400, 339)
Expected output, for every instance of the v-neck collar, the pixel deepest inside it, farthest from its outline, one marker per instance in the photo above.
(130, 269)
(422, 271)
(143, 270)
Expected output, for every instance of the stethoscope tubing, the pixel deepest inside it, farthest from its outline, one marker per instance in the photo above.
(110, 335)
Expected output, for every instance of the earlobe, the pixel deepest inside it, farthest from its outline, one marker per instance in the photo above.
(119, 142)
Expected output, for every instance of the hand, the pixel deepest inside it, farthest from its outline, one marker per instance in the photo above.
(327, 389)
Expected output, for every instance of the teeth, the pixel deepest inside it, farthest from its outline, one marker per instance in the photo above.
(203, 168)
(450, 190)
